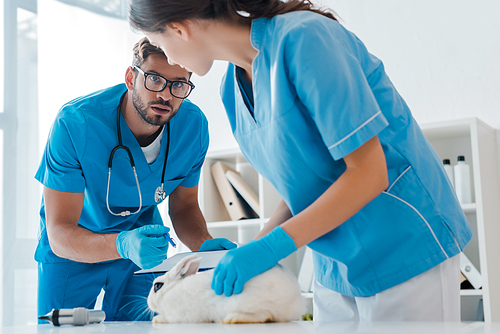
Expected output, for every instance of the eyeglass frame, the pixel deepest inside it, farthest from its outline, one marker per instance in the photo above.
(145, 74)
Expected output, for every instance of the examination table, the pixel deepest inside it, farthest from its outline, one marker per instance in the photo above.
(299, 327)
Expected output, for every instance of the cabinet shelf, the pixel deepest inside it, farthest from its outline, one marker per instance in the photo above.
(236, 223)
(469, 207)
(471, 292)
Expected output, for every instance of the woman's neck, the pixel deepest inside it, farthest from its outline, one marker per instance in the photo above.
(231, 42)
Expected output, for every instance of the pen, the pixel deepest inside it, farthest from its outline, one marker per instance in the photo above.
(170, 240)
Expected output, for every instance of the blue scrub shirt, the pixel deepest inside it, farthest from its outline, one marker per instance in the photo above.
(76, 160)
(318, 96)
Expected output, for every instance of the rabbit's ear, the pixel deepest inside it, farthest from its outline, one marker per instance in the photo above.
(187, 266)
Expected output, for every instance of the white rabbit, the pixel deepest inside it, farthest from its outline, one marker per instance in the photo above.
(179, 296)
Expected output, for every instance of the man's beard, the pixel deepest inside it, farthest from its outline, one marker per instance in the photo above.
(142, 110)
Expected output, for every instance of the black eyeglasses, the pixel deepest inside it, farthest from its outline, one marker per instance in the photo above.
(156, 83)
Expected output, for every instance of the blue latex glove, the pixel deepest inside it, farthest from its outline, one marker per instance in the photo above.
(241, 264)
(145, 246)
(216, 244)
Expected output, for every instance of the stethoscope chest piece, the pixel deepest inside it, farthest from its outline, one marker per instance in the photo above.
(160, 194)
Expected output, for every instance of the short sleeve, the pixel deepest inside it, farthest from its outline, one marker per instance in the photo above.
(324, 63)
(193, 178)
(60, 167)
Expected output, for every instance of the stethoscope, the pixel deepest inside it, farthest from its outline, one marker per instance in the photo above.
(160, 194)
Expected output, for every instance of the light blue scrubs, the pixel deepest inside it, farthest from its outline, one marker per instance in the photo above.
(76, 160)
(319, 95)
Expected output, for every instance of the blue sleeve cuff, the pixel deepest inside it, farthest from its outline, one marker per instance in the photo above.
(60, 183)
(366, 131)
(191, 180)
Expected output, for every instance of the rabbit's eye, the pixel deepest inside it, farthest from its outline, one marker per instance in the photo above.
(158, 286)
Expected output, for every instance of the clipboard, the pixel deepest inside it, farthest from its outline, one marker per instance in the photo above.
(209, 261)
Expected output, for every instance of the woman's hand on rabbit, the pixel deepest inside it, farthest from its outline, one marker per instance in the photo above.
(241, 264)
(216, 244)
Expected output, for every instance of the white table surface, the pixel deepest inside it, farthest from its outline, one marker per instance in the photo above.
(302, 327)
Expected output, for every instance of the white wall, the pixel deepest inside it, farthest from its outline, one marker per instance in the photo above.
(79, 52)
(442, 55)
(206, 95)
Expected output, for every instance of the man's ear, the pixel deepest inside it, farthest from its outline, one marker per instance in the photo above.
(129, 78)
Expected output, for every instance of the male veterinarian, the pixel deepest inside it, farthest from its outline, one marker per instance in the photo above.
(111, 157)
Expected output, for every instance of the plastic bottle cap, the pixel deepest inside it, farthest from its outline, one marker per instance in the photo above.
(446, 161)
(460, 158)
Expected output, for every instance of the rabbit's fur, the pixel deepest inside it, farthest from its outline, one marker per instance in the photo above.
(183, 297)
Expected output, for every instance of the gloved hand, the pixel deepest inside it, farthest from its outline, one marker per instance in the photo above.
(145, 246)
(241, 264)
(216, 244)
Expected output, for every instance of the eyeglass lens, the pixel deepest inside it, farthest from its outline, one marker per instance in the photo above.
(177, 88)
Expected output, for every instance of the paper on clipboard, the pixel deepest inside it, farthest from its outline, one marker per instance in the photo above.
(209, 261)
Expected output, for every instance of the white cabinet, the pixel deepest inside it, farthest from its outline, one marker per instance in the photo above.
(477, 142)
(470, 138)
(210, 200)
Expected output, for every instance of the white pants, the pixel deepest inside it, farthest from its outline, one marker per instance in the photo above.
(431, 296)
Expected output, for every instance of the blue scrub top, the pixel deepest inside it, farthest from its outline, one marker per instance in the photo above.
(320, 95)
(76, 160)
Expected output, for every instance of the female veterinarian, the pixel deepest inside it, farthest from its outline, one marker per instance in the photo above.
(315, 113)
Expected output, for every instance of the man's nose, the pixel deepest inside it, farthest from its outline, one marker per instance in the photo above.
(165, 94)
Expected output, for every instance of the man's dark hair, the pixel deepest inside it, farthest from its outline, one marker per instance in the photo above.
(142, 50)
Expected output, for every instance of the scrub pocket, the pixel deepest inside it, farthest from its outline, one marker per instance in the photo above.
(402, 231)
(409, 189)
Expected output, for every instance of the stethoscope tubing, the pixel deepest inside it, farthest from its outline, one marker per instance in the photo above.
(126, 212)
(159, 193)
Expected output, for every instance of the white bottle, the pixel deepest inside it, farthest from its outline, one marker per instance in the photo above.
(449, 171)
(462, 180)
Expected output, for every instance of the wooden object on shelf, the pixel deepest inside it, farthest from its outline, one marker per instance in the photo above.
(236, 206)
(464, 283)
(243, 189)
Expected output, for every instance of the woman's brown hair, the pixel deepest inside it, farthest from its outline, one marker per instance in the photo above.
(154, 15)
